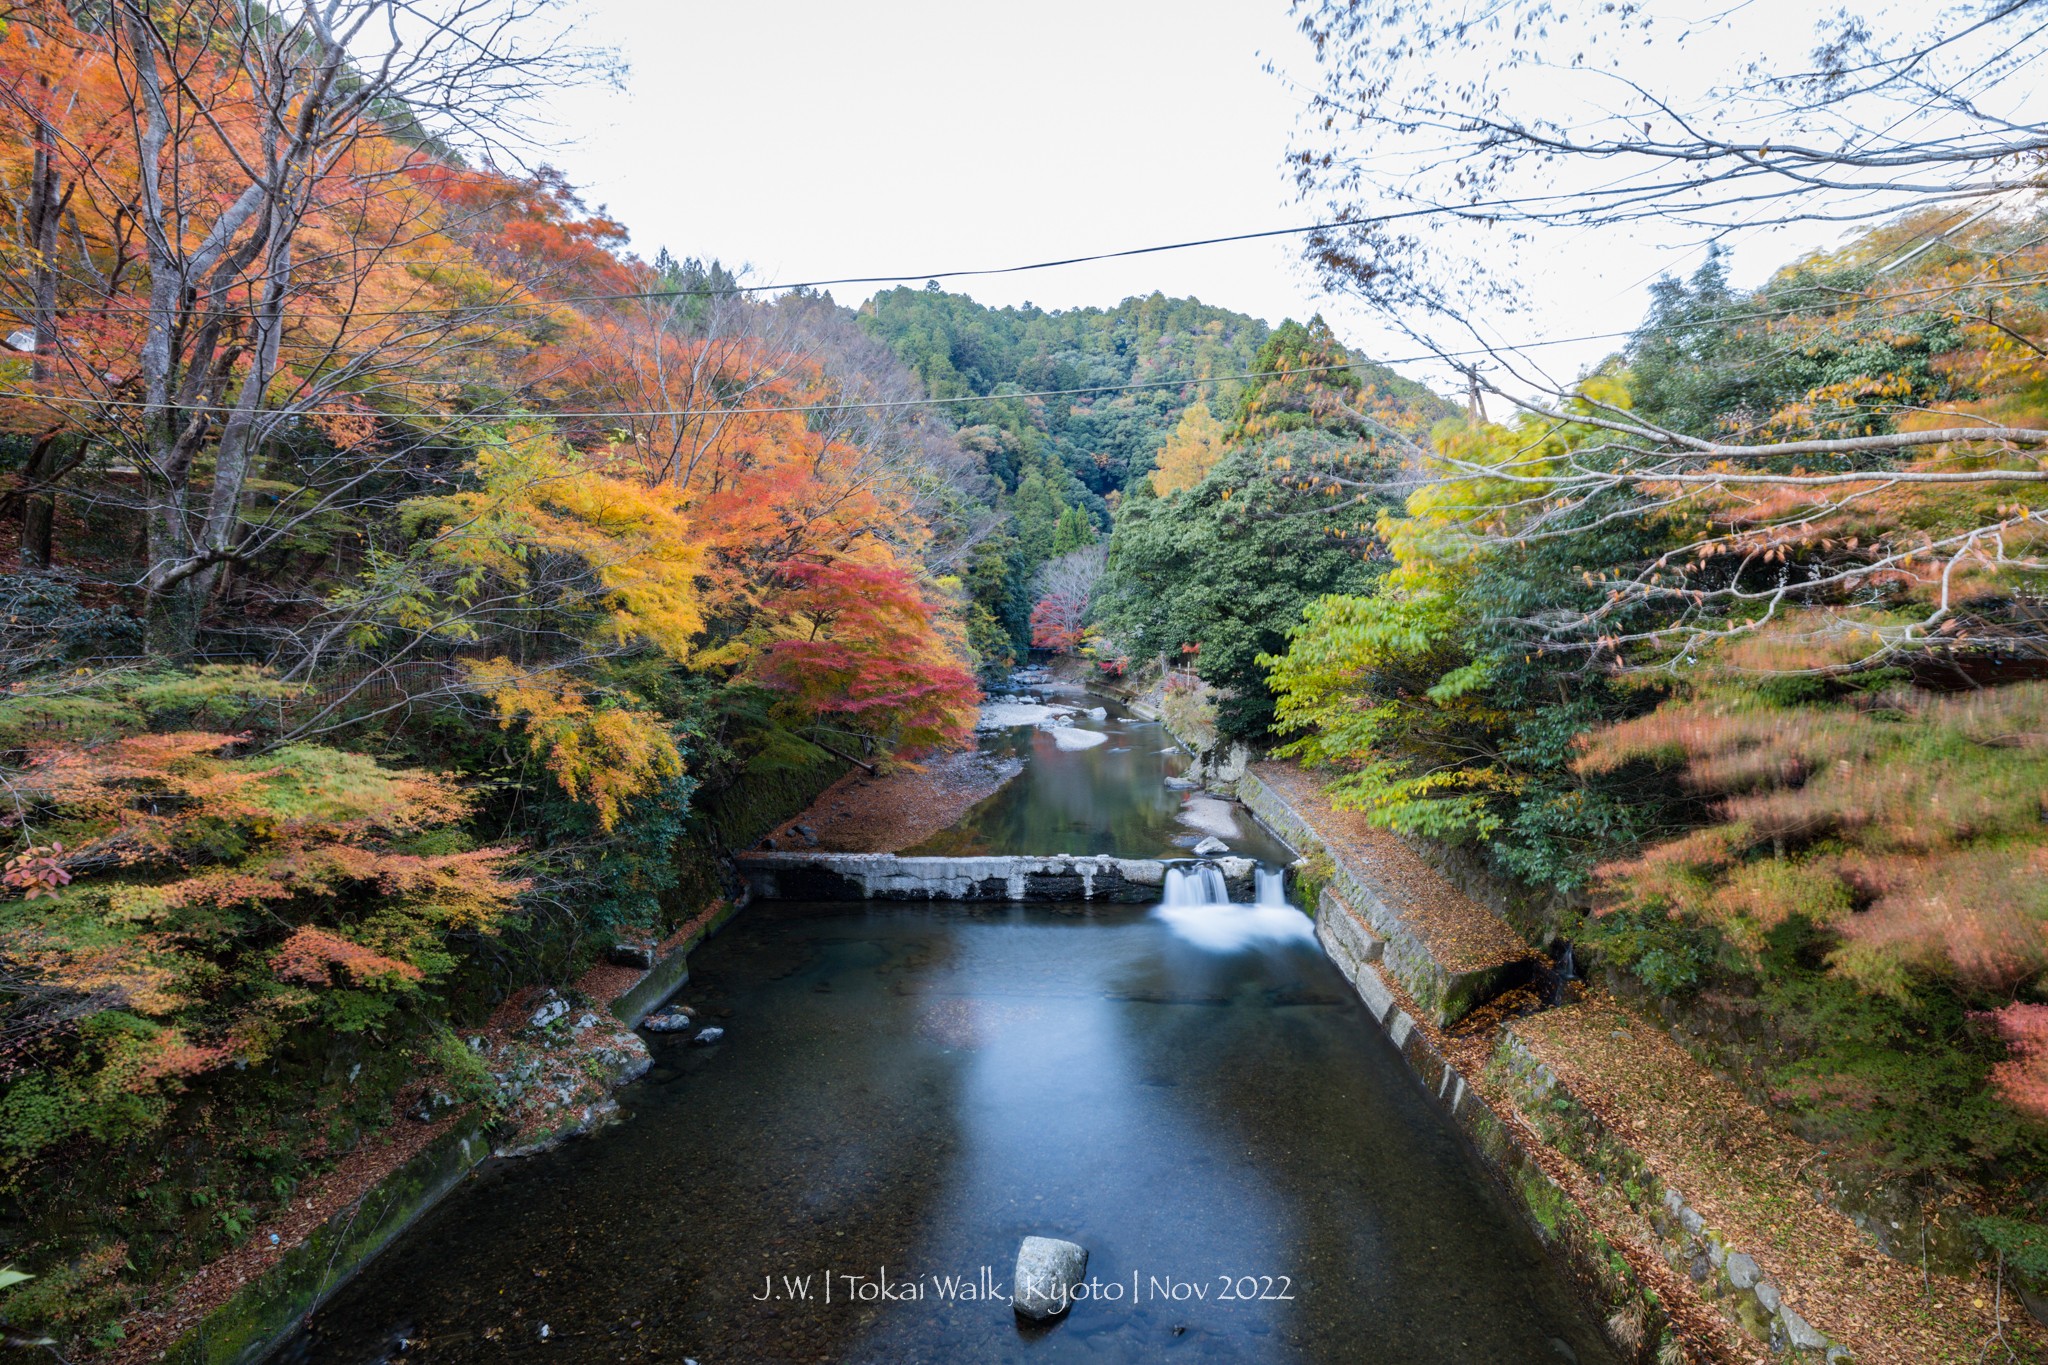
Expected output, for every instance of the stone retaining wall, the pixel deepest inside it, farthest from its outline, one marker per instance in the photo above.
(1445, 992)
(263, 1313)
(1625, 1308)
(1735, 1282)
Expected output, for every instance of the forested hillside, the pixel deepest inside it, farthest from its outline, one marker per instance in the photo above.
(1067, 462)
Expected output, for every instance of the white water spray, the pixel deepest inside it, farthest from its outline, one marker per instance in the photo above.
(1201, 884)
(1198, 909)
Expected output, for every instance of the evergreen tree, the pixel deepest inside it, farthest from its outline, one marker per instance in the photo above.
(1074, 532)
(1037, 508)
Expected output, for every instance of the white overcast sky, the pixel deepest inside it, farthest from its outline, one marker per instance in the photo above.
(807, 140)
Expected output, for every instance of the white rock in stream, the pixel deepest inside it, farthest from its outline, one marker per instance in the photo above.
(1048, 1269)
(1001, 715)
(1211, 816)
(1069, 738)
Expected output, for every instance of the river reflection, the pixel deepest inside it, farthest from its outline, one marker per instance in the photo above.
(1111, 798)
(918, 1089)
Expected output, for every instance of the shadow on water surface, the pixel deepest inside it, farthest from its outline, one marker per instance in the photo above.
(918, 1089)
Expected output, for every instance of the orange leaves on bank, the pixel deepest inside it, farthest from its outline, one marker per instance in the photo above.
(1909, 830)
(215, 898)
(2023, 1077)
(312, 957)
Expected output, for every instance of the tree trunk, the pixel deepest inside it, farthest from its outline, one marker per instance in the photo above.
(38, 526)
(174, 606)
(55, 455)
(170, 624)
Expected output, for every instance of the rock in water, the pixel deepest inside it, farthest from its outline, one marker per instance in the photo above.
(669, 1021)
(1211, 846)
(1047, 1271)
(709, 1035)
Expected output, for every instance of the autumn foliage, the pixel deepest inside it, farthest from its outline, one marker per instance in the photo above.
(855, 644)
(1909, 828)
(1056, 622)
(216, 899)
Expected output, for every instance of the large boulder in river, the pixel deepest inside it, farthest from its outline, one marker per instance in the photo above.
(1048, 1269)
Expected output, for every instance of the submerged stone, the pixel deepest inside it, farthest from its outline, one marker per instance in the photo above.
(1048, 1269)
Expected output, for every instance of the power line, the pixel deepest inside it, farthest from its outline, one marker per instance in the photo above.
(744, 412)
(722, 291)
(1478, 208)
(1089, 390)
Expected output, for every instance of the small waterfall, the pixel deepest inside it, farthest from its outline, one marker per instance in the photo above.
(1201, 884)
(1554, 982)
(1198, 909)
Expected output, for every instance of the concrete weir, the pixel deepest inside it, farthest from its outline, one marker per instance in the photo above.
(888, 877)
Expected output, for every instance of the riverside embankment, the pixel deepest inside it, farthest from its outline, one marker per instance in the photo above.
(547, 1083)
(1683, 1209)
(1685, 1212)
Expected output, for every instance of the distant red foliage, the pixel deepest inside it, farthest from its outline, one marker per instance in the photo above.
(1056, 621)
(2023, 1077)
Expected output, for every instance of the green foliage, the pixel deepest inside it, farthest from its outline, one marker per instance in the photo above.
(1226, 565)
(1709, 361)
(210, 694)
(1074, 532)
(47, 618)
(960, 348)
(2023, 1245)
(1435, 712)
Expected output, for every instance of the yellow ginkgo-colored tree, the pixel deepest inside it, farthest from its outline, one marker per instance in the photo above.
(556, 558)
(1190, 452)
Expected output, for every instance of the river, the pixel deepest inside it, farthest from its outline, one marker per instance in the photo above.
(904, 1092)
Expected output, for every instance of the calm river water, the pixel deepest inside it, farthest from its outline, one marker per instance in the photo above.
(904, 1093)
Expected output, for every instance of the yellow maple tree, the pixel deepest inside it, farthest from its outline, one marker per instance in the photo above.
(1189, 454)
